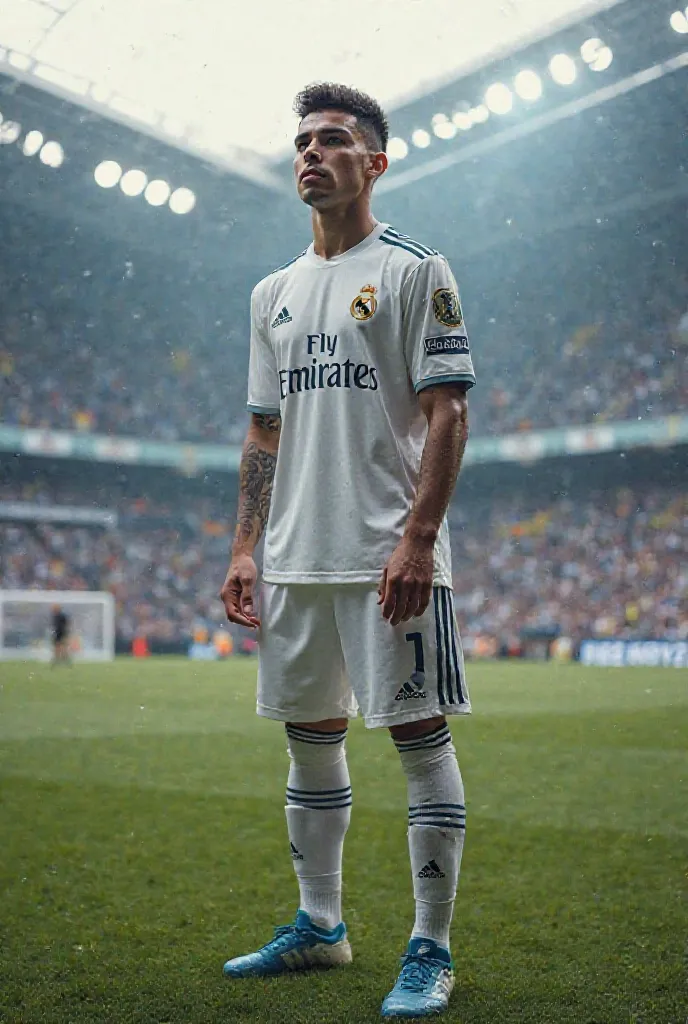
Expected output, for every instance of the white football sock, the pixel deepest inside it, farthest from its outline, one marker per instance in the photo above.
(437, 823)
(318, 812)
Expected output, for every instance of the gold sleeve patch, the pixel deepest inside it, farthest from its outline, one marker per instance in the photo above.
(447, 308)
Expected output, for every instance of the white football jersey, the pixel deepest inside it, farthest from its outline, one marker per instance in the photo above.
(340, 349)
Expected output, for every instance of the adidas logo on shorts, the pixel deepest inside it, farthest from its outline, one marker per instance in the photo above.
(411, 691)
(431, 870)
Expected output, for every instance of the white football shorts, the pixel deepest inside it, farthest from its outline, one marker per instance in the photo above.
(326, 652)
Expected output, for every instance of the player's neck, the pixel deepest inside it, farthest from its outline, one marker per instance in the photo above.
(337, 231)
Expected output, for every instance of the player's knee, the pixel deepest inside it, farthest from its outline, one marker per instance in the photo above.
(328, 725)
(412, 730)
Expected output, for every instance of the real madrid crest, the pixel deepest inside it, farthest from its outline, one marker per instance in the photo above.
(365, 303)
(447, 307)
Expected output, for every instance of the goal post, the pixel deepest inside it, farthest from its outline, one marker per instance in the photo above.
(26, 624)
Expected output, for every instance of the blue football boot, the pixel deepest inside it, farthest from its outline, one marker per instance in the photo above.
(295, 947)
(424, 984)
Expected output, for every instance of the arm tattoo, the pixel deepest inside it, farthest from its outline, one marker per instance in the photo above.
(267, 422)
(256, 475)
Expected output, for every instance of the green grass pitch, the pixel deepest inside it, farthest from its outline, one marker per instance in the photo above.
(142, 842)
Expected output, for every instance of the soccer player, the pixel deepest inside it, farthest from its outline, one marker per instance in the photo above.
(359, 368)
(60, 624)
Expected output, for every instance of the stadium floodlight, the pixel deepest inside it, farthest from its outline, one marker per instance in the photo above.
(107, 173)
(133, 182)
(479, 114)
(397, 149)
(9, 132)
(528, 85)
(182, 200)
(679, 22)
(562, 68)
(157, 192)
(596, 54)
(52, 154)
(499, 98)
(420, 138)
(443, 127)
(445, 130)
(463, 120)
(32, 143)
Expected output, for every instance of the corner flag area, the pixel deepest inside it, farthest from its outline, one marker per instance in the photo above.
(143, 844)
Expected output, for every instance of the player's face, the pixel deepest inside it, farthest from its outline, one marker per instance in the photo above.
(332, 164)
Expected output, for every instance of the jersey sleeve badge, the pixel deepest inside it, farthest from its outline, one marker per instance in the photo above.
(365, 303)
(447, 308)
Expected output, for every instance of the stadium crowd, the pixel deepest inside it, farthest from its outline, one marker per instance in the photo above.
(140, 375)
(609, 565)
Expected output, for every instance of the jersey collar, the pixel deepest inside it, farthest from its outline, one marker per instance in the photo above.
(314, 260)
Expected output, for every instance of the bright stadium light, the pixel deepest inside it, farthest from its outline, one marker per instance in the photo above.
(157, 192)
(107, 173)
(443, 127)
(679, 22)
(499, 98)
(133, 183)
(182, 200)
(52, 154)
(596, 55)
(528, 85)
(9, 132)
(420, 138)
(479, 114)
(463, 120)
(32, 143)
(397, 149)
(445, 130)
(562, 69)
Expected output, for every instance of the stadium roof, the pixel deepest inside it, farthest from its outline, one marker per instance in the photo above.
(218, 78)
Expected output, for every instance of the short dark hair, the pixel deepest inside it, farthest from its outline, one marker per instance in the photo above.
(366, 110)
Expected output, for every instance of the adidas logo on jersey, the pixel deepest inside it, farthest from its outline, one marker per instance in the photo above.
(431, 870)
(295, 855)
(283, 317)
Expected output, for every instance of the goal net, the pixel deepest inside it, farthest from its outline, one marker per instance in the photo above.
(26, 624)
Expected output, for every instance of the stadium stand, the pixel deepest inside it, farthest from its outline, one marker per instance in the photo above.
(606, 564)
(125, 367)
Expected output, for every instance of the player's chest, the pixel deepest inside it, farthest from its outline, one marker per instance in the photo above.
(330, 316)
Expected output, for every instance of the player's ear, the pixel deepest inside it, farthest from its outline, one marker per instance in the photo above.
(377, 166)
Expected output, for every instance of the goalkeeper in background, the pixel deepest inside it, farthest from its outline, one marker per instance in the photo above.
(60, 633)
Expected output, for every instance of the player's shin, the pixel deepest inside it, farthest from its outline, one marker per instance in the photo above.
(318, 812)
(437, 821)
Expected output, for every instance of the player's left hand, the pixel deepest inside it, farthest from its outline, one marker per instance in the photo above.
(406, 585)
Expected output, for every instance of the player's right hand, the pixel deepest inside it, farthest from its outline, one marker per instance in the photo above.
(237, 594)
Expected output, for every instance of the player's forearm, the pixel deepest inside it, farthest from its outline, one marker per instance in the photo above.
(256, 477)
(440, 465)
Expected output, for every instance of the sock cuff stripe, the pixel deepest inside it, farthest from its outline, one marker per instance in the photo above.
(315, 735)
(441, 824)
(434, 807)
(433, 734)
(320, 738)
(424, 744)
(320, 805)
(318, 792)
